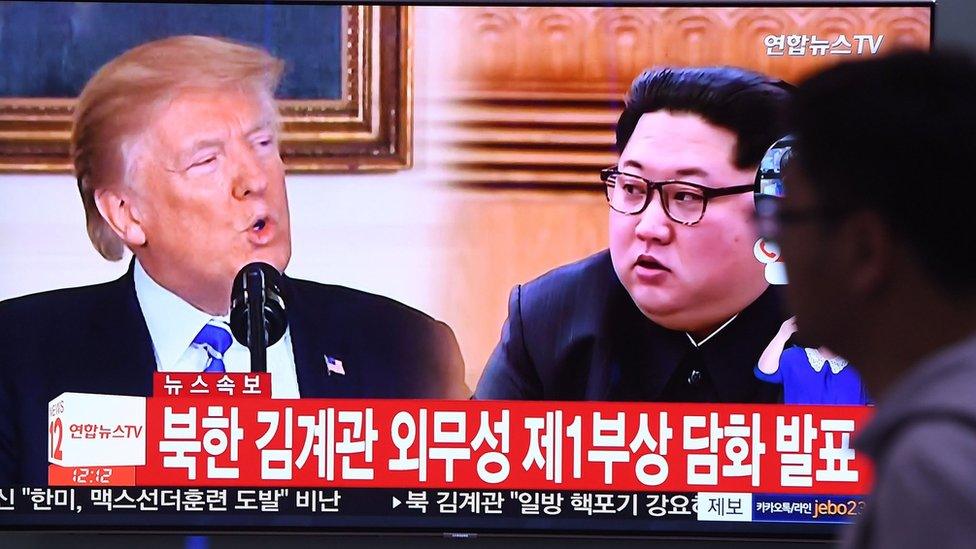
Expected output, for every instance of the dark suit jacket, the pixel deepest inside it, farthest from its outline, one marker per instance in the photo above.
(94, 340)
(575, 334)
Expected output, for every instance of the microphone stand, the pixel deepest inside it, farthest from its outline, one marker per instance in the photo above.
(257, 330)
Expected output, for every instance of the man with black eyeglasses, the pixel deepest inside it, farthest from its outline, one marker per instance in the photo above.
(877, 237)
(678, 308)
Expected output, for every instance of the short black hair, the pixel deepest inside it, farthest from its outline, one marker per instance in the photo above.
(750, 105)
(897, 135)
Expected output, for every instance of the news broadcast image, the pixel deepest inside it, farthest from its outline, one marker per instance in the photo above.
(360, 268)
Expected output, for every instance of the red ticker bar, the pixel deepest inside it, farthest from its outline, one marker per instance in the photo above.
(504, 445)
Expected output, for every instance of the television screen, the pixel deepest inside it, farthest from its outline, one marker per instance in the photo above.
(467, 269)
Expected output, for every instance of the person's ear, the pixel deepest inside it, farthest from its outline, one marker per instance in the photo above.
(122, 215)
(868, 252)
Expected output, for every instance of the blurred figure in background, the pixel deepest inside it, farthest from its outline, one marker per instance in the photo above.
(876, 232)
(809, 374)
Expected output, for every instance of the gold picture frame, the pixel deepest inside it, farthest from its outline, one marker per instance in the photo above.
(368, 129)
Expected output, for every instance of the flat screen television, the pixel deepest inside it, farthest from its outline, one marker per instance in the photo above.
(522, 287)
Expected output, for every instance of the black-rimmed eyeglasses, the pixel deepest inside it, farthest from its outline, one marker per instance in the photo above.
(771, 217)
(683, 202)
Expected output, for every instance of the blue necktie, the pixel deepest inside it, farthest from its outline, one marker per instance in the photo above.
(215, 339)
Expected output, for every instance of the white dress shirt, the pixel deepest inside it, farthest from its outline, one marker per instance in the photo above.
(173, 324)
(713, 334)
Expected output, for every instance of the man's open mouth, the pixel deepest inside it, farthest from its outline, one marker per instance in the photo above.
(650, 262)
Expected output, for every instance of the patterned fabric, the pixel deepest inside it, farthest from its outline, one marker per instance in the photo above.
(215, 338)
(817, 360)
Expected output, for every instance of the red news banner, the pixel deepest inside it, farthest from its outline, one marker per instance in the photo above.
(225, 430)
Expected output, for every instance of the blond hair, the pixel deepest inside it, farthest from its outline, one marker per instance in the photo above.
(119, 99)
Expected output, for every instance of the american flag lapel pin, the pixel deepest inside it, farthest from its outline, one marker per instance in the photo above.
(334, 365)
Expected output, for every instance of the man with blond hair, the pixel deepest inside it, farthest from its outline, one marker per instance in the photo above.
(175, 149)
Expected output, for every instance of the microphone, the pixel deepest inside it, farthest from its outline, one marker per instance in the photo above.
(257, 311)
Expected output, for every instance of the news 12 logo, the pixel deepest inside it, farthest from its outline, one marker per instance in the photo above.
(55, 430)
(798, 45)
(86, 430)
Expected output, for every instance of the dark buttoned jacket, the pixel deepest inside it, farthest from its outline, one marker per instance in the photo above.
(94, 339)
(575, 334)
